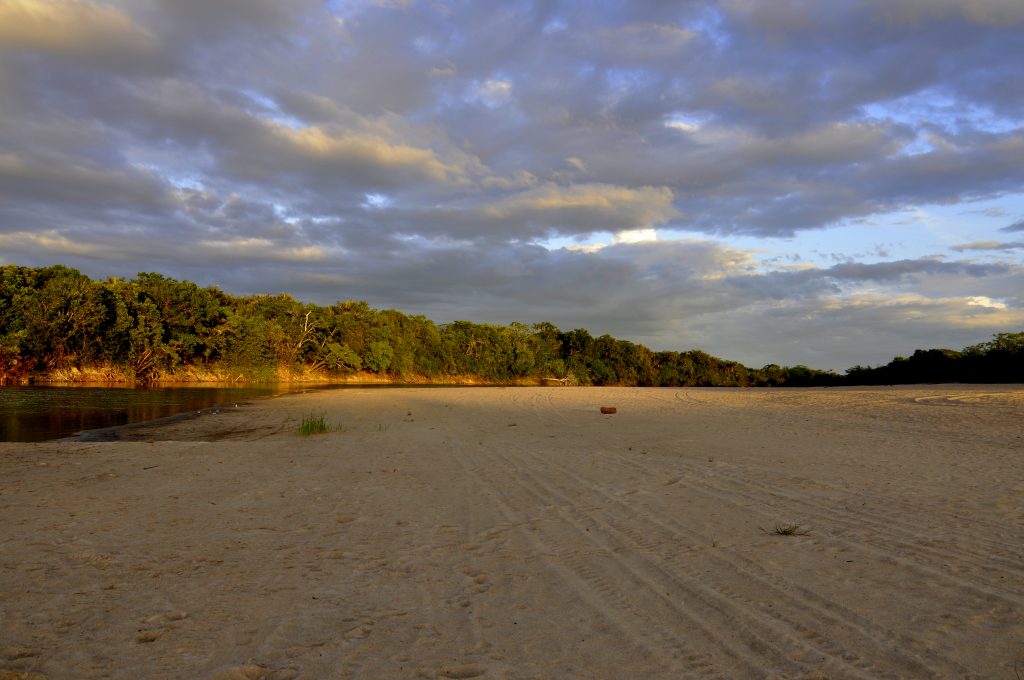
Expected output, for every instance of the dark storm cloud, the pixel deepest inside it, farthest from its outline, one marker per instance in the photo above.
(419, 154)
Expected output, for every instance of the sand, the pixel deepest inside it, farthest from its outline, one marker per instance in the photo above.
(520, 533)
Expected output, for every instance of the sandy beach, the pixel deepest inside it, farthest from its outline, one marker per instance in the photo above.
(520, 533)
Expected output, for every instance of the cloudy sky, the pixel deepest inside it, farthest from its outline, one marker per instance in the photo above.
(790, 181)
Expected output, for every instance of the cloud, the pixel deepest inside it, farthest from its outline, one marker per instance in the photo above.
(259, 249)
(987, 245)
(493, 92)
(888, 271)
(49, 242)
(636, 236)
(1016, 226)
(214, 19)
(584, 208)
(915, 12)
(983, 301)
(347, 152)
(640, 42)
(76, 29)
(33, 182)
(867, 329)
(446, 71)
(521, 211)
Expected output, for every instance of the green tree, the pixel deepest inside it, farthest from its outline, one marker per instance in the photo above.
(343, 358)
(378, 356)
(59, 310)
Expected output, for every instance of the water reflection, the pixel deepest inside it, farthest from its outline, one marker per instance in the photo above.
(38, 413)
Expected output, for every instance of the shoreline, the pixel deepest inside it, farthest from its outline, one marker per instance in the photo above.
(520, 533)
(109, 432)
(114, 433)
(119, 432)
(127, 432)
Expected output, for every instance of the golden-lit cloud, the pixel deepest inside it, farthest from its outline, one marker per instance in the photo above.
(261, 249)
(610, 207)
(49, 241)
(963, 312)
(356, 149)
(70, 27)
(985, 301)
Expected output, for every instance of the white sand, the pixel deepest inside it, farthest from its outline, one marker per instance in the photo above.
(519, 533)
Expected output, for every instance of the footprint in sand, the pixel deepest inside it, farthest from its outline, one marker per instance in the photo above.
(156, 626)
(245, 636)
(480, 579)
(145, 636)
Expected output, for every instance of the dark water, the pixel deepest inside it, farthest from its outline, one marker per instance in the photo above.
(36, 413)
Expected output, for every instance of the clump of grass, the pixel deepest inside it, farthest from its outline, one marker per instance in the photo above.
(316, 425)
(788, 530)
(383, 427)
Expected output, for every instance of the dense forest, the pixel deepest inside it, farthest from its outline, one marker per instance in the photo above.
(58, 324)
(1001, 360)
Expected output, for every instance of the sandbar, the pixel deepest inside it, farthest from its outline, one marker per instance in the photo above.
(521, 533)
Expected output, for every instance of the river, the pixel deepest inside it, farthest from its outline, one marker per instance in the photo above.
(38, 413)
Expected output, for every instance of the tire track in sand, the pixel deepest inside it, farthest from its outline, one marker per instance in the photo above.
(633, 620)
(650, 599)
(998, 570)
(794, 621)
(799, 607)
(994, 575)
(798, 617)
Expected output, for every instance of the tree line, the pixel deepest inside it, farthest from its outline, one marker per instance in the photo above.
(1000, 360)
(56, 322)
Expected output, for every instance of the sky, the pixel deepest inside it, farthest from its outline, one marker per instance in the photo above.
(772, 181)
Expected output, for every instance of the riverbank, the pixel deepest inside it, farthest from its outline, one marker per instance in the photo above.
(520, 533)
(195, 375)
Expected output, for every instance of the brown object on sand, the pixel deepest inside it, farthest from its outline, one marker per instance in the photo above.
(607, 409)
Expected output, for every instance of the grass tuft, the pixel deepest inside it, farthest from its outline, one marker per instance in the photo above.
(315, 425)
(787, 530)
